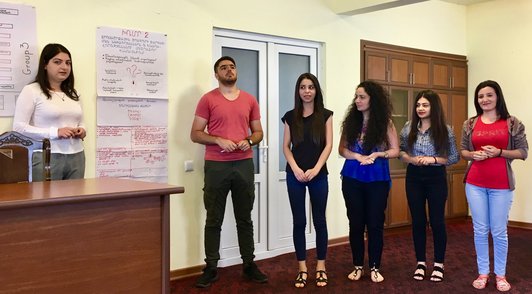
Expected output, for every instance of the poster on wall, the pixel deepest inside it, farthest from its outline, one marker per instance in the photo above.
(19, 57)
(131, 63)
(132, 104)
(132, 138)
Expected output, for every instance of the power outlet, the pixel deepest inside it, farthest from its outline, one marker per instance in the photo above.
(189, 165)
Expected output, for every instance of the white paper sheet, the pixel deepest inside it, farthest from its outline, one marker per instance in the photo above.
(131, 63)
(19, 57)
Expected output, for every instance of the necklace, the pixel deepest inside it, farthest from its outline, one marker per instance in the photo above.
(60, 96)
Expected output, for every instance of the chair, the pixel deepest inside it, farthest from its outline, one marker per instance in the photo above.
(16, 152)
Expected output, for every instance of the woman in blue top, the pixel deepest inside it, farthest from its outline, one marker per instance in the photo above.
(306, 146)
(428, 145)
(368, 139)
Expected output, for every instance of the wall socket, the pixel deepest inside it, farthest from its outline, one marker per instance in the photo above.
(189, 165)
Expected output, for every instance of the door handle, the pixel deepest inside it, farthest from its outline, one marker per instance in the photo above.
(264, 149)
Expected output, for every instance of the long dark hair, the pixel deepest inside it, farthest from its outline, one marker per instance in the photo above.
(438, 129)
(502, 111)
(318, 123)
(67, 86)
(380, 114)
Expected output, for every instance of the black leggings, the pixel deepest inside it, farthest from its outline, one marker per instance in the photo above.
(365, 203)
(427, 184)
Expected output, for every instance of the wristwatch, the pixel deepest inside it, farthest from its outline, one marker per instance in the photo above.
(250, 142)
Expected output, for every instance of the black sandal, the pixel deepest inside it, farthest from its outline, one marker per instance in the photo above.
(435, 277)
(419, 273)
(300, 280)
(321, 278)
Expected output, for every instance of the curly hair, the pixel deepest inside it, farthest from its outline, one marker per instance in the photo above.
(380, 114)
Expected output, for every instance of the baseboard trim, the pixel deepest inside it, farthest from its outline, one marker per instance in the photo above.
(182, 273)
(196, 270)
(520, 225)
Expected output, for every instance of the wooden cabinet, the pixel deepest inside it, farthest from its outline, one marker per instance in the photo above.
(397, 69)
(376, 66)
(405, 72)
(448, 74)
(455, 107)
(457, 204)
(397, 213)
(409, 70)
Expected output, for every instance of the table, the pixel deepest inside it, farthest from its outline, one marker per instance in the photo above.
(101, 235)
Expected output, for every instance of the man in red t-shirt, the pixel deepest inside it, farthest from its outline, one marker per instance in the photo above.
(227, 122)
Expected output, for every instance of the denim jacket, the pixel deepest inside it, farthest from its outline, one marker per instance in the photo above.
(517, 140)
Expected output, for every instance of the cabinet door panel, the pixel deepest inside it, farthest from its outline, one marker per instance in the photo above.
(398, 212)
(458, 116)
(458, 203)
(444, 97)
(400, 70)
(376, 67)
(440, 75)
(401, 101)
(421, 72)
(459, 77)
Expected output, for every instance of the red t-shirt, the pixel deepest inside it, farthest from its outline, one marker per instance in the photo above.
(490, 173)
(229, 120)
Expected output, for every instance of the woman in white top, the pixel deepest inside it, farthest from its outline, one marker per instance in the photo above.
(50, 108)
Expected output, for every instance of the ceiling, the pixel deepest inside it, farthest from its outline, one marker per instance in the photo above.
(353, 7)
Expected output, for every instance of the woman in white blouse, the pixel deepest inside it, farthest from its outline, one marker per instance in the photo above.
(50, 108)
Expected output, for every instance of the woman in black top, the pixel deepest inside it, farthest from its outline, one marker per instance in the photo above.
(306, 146)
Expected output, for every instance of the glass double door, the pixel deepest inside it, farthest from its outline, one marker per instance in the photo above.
(268, 69)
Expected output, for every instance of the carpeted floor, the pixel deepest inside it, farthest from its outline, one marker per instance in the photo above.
(398, 264)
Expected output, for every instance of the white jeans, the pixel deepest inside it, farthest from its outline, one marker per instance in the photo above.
(489, 210)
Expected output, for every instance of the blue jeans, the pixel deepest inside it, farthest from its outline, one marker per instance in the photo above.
(318, 189)
(489, 210)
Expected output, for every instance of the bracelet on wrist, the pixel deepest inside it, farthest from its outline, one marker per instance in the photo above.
(500, 153)
(435, 160)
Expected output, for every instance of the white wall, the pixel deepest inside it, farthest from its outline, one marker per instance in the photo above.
(432, 25)
(498, 44)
